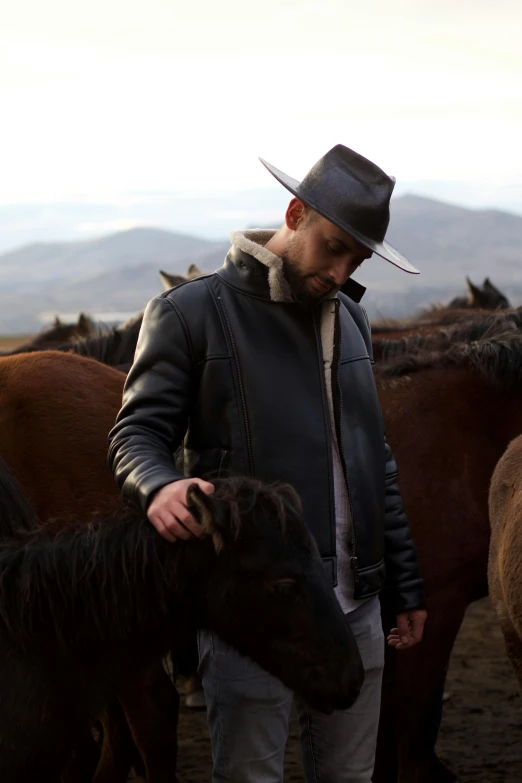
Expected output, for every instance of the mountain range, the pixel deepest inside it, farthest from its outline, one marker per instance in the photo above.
(119, 272)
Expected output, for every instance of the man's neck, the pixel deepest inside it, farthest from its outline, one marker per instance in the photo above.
(277, 243)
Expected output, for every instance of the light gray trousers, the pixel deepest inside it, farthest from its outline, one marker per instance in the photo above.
(249, 711)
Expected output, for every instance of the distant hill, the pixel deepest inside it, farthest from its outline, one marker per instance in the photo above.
(120, 271)
(75, 261)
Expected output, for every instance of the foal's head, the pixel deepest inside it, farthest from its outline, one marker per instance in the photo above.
(268, 594)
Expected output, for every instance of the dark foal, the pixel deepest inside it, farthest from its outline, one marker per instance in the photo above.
(84, 610)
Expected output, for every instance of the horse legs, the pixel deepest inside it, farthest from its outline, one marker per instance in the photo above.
(84, 761)
(151, 706)
(118, 749)
(413, 686)
(513, 644)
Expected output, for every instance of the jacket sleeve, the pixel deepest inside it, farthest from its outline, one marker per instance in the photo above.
(153, 419)
(404, 585)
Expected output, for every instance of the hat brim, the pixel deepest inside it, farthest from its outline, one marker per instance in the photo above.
(383, 249)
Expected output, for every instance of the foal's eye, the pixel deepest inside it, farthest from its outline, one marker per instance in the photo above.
(283, 587)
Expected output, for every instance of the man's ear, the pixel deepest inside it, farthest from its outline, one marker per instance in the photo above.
(207, 513)
(294, 214)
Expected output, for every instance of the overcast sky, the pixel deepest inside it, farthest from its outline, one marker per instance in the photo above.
(107, 96)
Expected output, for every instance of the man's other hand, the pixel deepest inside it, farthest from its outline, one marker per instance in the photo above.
(410, 627)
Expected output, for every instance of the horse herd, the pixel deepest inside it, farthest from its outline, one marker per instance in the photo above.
(86, 588)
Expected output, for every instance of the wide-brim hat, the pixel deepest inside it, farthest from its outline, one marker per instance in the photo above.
(354, 194)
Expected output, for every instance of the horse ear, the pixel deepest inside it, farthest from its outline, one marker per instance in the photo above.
(194, 271)
(57, 321)
(84, 323)
(170, 281)
(290, 497)
(207, 514)
(475, 294)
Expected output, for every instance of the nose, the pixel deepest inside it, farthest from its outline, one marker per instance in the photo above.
(342, 270)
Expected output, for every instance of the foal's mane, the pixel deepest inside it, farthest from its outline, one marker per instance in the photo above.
(498, 359)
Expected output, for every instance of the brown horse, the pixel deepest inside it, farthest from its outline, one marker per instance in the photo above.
(56, 335)
(505, 553)
(449, 417)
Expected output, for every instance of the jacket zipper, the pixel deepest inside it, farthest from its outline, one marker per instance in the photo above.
(250, 457)
(222, 460)
(354, 563)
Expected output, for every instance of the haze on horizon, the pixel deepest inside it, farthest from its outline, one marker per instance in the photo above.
(109, 98)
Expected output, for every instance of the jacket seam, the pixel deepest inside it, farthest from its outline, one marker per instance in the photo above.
(184, 326)
(213, 358)
(249, 294)
(228, 337)
(167, 294)
(360, 358)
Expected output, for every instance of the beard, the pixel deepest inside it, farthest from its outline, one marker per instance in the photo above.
(300, 284)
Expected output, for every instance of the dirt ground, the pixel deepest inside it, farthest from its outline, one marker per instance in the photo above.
(7, 343)
(481, 733)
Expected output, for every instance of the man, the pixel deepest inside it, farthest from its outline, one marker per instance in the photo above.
(263, 368)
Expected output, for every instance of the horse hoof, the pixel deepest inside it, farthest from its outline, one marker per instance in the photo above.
(196, 700)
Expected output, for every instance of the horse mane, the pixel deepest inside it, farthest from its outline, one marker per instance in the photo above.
(476, 327)
(498, 359)
(97, 581)
(114, 345)
(439, 315)
(16, 513)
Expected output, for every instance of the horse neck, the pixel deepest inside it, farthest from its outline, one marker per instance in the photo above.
(455, 408)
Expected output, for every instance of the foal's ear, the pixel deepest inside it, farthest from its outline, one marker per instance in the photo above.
(206, 511)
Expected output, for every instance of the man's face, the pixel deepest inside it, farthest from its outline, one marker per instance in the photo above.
(318, 259)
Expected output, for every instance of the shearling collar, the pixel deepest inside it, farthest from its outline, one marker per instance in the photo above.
(253, 242)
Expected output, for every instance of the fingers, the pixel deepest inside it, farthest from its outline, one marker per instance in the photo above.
(205, 486)
(185, 520)
(403, 628)
(176, 523)
(163, 529)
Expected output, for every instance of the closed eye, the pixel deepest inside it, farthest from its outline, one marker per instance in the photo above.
(335, 250)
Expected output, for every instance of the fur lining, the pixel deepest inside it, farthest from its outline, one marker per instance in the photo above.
(253, 242)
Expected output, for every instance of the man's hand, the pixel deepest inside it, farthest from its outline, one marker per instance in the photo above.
(410, 627)
(168, 510)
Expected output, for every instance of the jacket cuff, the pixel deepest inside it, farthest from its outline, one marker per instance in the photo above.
(144, 490)
(406, 597)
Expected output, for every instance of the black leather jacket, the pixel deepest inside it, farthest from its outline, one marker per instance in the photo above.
(240, 378)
